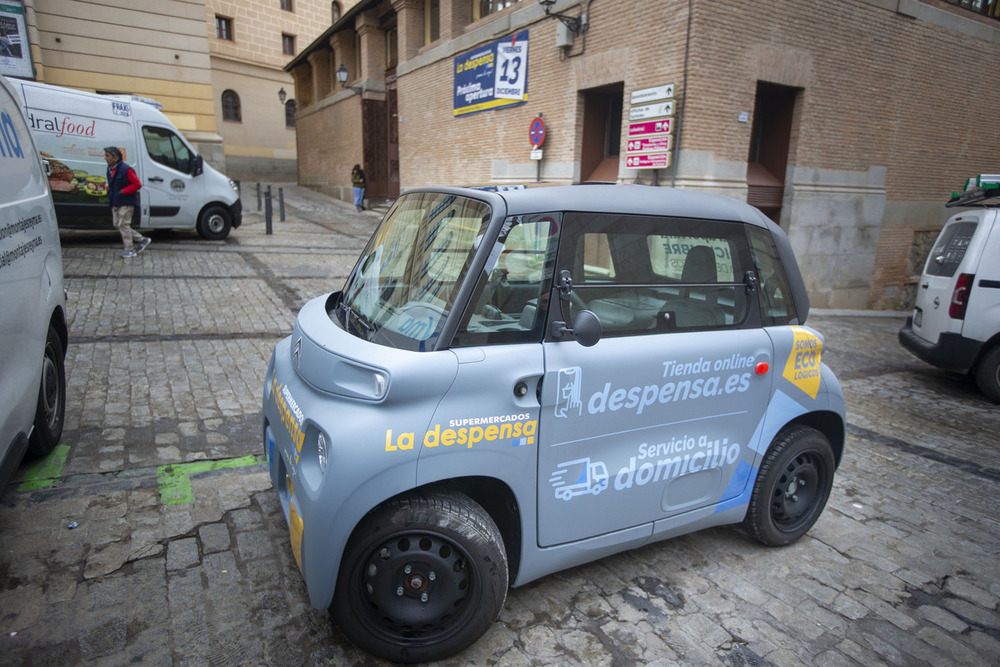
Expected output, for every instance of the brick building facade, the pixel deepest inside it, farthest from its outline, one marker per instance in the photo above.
(848, 122)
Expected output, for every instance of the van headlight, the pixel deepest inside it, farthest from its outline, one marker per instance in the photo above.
(234, 185)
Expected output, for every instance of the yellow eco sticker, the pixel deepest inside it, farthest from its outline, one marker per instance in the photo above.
(802, 368)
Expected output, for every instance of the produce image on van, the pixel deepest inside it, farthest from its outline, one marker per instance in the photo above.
(179, 190)
(517, 382)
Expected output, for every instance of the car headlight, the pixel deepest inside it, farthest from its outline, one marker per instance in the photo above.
(322, 456)
(234, 185)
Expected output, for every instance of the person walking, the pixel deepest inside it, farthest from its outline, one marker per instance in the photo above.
(358, 181)
(123, 188)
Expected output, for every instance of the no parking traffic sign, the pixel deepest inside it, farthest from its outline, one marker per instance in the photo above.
(536, 132)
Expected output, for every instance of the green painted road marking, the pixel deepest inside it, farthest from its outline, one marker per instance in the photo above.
(45, 472)
(174, 479)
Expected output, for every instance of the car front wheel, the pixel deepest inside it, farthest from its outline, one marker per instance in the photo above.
(422, 578)
(988, 374)
(792, 486)
(214, 223)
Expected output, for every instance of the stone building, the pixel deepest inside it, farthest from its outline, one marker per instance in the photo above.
(216, 66)
(848, 122)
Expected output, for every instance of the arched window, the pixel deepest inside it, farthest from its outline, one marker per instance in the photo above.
(290, 114)
(335, 11)
(231, 107)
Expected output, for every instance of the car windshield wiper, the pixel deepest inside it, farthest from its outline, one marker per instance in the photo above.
(351, 314)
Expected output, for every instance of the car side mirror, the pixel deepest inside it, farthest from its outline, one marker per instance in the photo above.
(198, 164)
(586, 328)
(586, 325)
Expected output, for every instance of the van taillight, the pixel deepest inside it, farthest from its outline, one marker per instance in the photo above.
(960, 297)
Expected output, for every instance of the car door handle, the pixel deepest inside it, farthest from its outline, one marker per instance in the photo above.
(925, 286)
(155, 179)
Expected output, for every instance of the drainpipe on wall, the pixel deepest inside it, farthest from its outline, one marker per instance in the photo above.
(680, 107)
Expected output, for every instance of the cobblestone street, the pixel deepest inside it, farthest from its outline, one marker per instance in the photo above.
(151, 535)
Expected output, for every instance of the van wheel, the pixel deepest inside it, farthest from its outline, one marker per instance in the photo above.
(422, 578)
(51, 409)
(792, 487)
(988, 374)
(214, 223)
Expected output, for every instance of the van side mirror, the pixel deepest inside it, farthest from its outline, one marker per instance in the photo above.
(198, 165)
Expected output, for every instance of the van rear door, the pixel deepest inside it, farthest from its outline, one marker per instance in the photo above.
(947, 263)
(173, 190)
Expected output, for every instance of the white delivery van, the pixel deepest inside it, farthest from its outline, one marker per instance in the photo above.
(33, 334)
(956, 318)
(179, 191)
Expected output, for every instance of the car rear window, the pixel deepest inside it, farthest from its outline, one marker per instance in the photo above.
(950, 249)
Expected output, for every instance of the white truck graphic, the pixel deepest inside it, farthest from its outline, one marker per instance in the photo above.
(575, 478)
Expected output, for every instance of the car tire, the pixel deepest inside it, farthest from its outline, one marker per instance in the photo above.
(988, 374)
(51, 408)
(214, 223)
(792, 486)
(422, 578)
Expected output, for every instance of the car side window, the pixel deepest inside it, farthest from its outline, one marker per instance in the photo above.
(777, 306)
(509, 306)
(645, 275)
(166, 148)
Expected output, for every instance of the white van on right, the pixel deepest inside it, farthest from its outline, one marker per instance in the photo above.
(956, 319)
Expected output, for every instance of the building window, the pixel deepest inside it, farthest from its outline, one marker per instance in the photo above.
(290, 114)
(288, 44)
(231, 107)
(481, 8)
(990, 8)
(391, 48)
(223, 28)
(286, 5)
(432, 21)
(335, 11)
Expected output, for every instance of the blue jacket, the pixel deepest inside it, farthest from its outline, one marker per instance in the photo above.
(115, 185)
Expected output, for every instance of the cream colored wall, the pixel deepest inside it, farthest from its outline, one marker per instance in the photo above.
(251, 65)
(154, 48)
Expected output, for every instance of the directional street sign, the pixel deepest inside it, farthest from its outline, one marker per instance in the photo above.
(649, 94)
(657, 143)
(651, 161)
(649, 127)
(652, 110)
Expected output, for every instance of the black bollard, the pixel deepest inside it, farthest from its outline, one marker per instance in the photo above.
(258, 197)
(267, 210)
(281, 204)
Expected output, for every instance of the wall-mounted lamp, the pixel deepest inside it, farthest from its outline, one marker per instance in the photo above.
(576, 24)
(342, 78)
(282, 95)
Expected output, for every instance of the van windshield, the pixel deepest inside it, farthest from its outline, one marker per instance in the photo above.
(405, 283)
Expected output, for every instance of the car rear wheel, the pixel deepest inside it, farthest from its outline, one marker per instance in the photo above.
(792, 486)
(422, 578)
(988, 374)
(51, 408)
(214, 223)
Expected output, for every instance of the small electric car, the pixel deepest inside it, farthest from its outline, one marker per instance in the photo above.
(513, 383)
(956, 318)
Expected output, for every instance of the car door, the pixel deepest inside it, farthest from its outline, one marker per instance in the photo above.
(659, 417)
(171, 184)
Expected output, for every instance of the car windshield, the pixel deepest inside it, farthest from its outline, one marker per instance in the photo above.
(407, 278)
